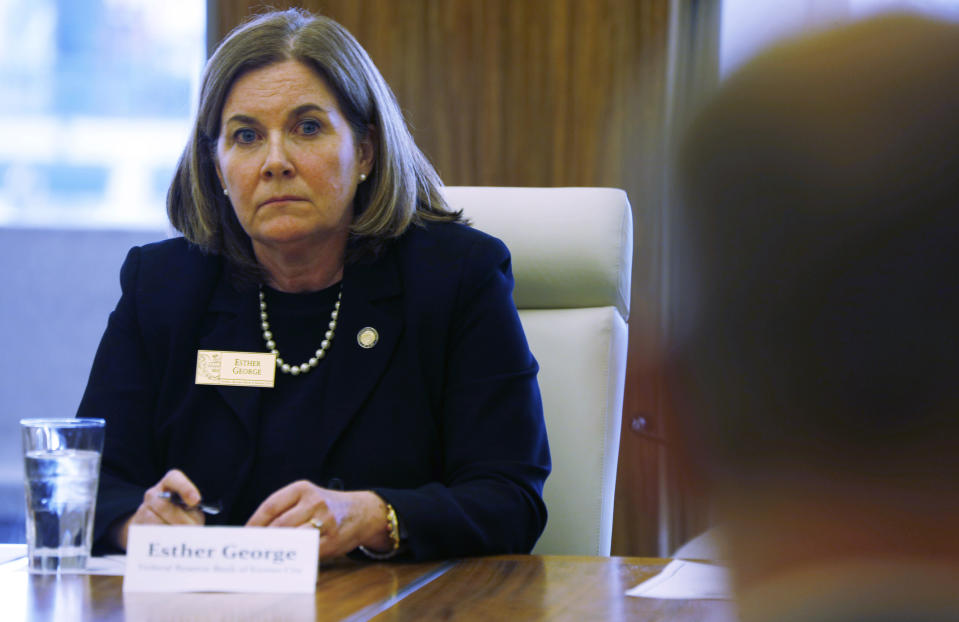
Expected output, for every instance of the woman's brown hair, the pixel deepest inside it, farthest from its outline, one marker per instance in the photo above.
(402, 188)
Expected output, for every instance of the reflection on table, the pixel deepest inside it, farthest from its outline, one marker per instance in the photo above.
(514, 587)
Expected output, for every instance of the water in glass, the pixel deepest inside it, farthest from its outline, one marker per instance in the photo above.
(61, 488)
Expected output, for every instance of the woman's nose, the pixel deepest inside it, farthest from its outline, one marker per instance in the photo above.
(277, 162)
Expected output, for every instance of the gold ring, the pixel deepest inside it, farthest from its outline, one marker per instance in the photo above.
(317, 523)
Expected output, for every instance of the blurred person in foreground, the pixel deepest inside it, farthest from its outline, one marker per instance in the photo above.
(815, 357)
(405, 420)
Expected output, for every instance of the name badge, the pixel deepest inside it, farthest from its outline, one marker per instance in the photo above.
(221, 559)
(238, 369)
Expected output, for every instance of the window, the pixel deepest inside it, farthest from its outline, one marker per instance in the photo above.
(948, 9)
(95, 104)
(748, 26)
(96, 98)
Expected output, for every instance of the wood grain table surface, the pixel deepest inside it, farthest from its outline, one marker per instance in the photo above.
(510, 587)
(529, 587)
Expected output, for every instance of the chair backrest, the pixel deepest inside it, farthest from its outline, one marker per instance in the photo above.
(572, 258)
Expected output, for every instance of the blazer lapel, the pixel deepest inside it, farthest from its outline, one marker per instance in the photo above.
(236, 327)
(370, 301)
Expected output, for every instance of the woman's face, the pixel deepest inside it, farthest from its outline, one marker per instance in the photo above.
(288, 158)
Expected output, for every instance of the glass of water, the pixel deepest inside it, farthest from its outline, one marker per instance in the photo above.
(61, 463)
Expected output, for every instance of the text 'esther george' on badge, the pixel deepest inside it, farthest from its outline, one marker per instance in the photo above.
(235, 369)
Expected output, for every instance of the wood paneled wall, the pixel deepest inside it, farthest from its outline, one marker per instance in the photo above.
(542, 93)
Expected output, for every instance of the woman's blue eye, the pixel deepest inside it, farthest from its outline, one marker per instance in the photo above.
(310, 127)
(244, 136)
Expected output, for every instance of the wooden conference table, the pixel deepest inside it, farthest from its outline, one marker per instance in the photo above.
(509, 587)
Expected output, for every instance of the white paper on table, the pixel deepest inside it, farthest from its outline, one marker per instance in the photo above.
(10, 552)
(686, 580)
(107, 565)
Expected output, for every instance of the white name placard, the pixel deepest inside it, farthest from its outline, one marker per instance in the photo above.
(235, 369)
(221, 559)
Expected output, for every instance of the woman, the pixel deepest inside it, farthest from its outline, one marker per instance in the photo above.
(405, 417)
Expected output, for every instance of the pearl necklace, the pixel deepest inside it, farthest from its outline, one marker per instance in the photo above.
(296, 370)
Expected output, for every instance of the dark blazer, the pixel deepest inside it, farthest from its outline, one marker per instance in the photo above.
(442, 418)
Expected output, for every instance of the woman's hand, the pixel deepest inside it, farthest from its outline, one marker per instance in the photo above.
(155, 510)
(345, 519)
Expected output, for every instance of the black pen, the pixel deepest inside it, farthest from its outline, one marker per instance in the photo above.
(174, 498)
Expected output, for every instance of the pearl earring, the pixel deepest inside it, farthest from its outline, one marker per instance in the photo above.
(362, 177)
(226, 192)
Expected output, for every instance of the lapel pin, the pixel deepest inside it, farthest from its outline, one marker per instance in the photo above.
(367, 337)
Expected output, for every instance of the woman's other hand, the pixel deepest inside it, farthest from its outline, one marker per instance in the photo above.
(156, 510)
(346, 520)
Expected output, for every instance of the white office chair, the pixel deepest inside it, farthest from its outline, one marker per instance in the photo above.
(572, 257)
